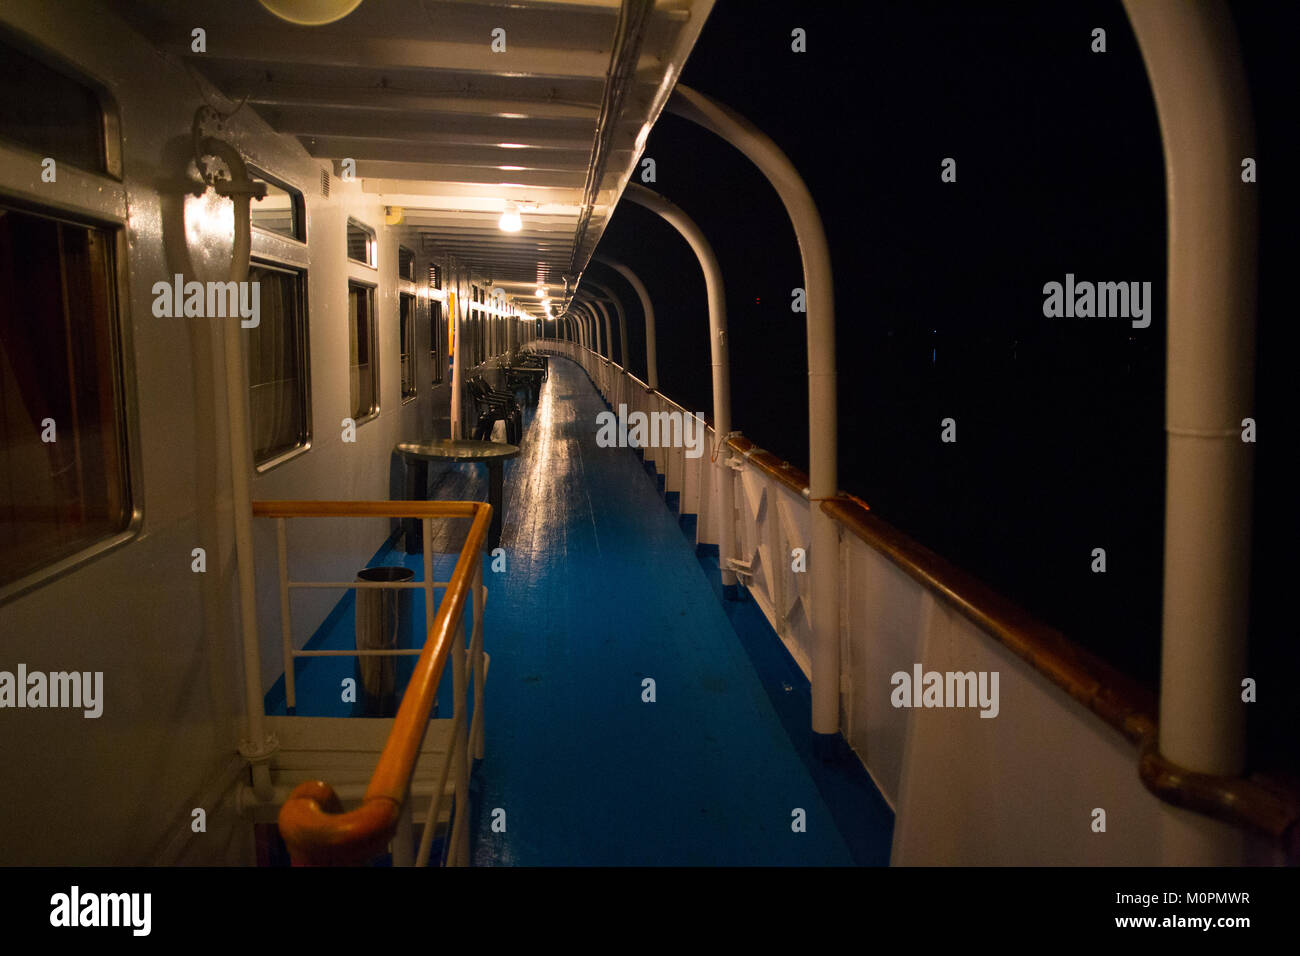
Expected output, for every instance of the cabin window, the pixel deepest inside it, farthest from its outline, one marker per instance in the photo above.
(361, 243)
(279, 397)
(406, 321)
(405, 264)
(364, 352)
(52, 114)
(281, 210)
(476, 324)
(63, 469)
(435, 325)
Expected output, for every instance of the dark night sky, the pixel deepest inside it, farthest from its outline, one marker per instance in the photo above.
(939, 288)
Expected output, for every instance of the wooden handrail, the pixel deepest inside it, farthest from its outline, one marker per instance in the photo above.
(367, 509)
(311, 821)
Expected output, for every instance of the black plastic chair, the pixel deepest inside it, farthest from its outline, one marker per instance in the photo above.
(494, 406)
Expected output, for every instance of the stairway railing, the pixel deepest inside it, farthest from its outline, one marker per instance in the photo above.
(312, 822)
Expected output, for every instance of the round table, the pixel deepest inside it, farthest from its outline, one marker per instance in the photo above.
(418, 455)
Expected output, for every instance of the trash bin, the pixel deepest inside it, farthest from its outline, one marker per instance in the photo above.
(383, 623)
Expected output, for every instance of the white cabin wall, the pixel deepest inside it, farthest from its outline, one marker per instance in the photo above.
(120, 789)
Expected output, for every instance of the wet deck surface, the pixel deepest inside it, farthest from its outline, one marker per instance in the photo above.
(601, 591)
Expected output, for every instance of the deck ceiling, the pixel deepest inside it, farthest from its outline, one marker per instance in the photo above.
(440, 125)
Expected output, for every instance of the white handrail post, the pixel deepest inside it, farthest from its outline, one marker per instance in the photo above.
(404, 837)
(719, 356)
(1203, 104)
(823, 480)
(429, 615)
(458, 850)
(286, 622)
(478, 662)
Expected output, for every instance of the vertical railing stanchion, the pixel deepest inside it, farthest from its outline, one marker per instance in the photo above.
(286, 621)
(480, 670)
(426, 525)
(460, 745)
(402, 839)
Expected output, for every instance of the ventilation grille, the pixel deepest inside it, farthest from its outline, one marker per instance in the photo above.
(435, 280)
(325, 183)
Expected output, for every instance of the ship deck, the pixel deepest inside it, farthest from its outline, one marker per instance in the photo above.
(601, 590)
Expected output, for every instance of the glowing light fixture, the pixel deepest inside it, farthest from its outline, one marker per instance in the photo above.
(510, 221)
(540, 292)
(310, 13)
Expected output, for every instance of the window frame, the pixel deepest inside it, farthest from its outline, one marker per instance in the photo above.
(296, 195)
(372, 244)
(437, 311)
(404, 277)
(110, 117)
(406, 329)
(96, 199)
(304, 354)
(125, 396)
(372, 293)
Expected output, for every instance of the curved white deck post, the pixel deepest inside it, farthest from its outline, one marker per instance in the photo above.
(648, 310)
(608, 293)
(1194, 65)
(584, 324)
(602, 336)
(719, 356)
(604, 314)
(823, 479)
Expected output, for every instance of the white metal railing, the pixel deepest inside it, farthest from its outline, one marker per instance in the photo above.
(469, 663)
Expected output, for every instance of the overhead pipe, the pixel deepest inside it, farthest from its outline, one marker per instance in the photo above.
(1194, 65)
(719, 358)
(648, 310)
(823, 479)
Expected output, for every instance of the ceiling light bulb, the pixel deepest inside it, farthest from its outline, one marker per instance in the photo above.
(510, 221)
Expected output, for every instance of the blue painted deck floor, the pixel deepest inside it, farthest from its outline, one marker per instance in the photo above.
(601, 591)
